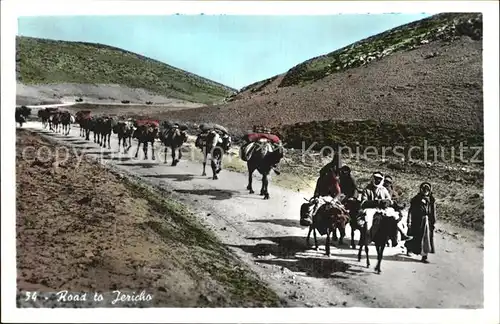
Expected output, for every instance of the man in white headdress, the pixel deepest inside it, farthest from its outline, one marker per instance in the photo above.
(376, 198)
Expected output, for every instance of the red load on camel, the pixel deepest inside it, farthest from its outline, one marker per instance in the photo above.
(143, 122)
(253, 137)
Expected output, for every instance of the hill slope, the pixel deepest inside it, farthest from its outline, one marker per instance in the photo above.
(425, 73)
(43, 61)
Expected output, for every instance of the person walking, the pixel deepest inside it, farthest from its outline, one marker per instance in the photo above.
(421, 223)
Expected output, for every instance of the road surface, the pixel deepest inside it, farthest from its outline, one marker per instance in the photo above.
(267, 236)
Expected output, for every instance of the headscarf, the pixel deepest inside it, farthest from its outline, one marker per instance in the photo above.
(380, 186)
(425, 185)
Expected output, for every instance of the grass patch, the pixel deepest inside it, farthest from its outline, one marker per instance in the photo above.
(242, 285)
(369, 133)
(444, 27)
(43, 61)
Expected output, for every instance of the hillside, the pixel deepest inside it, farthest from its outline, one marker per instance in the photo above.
(425, 73)
(43, 61)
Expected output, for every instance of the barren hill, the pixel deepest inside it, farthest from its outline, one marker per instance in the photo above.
(78, 67)
(425, 73)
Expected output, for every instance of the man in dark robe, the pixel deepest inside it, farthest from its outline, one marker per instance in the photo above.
(335, 163)
(348, 184)
(421, 223)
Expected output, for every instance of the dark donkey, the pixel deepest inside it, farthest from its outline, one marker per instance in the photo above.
(326, 220)
(104, 128)
(381, 230)
(216, 144)
(55, 121)
(44, 115)
(146, 133)
(124, 129)
(354, 206)
(22, 113)
(173, 136)
(80, 118)
(264, 157)
(66, 120)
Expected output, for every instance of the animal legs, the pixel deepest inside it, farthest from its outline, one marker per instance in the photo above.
(265, 184)
(174, 161)
(250, 176)
(145, 149)
(353, 245)
(327, 244)
(204, 173)
(137, 152)
(380, 253)
(213, 164)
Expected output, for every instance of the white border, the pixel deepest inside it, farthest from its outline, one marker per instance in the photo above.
(10, 10)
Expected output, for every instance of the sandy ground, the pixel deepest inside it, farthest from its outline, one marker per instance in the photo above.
(109, 94)
(83, 229)
(266, 235)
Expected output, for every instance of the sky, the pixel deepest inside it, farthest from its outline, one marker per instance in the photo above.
(233, 50)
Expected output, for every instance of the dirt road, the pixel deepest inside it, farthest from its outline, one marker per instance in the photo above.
(267, 236)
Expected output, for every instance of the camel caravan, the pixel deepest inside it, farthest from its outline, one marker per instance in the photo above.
(375, 211)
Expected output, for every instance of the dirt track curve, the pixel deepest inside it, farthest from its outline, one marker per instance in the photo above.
(267, 236)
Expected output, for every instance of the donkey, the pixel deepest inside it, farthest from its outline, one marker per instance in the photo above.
(326, 220)
(88, 124)
(173, 136)
(381, 229)
(44, 115)
(80, 118)
(22, 113)
(55, 121)
(104, 129)
(145, 134)
(124, 129)
(264, 158)
(66, 119)
(216, 144)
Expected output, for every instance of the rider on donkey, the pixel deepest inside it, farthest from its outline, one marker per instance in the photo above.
(388, 184)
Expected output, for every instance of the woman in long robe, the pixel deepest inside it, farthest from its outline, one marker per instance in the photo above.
(421, 222)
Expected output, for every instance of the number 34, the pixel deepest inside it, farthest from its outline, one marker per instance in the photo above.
(30, 295)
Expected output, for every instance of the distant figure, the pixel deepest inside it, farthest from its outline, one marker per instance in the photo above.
(421, 223)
